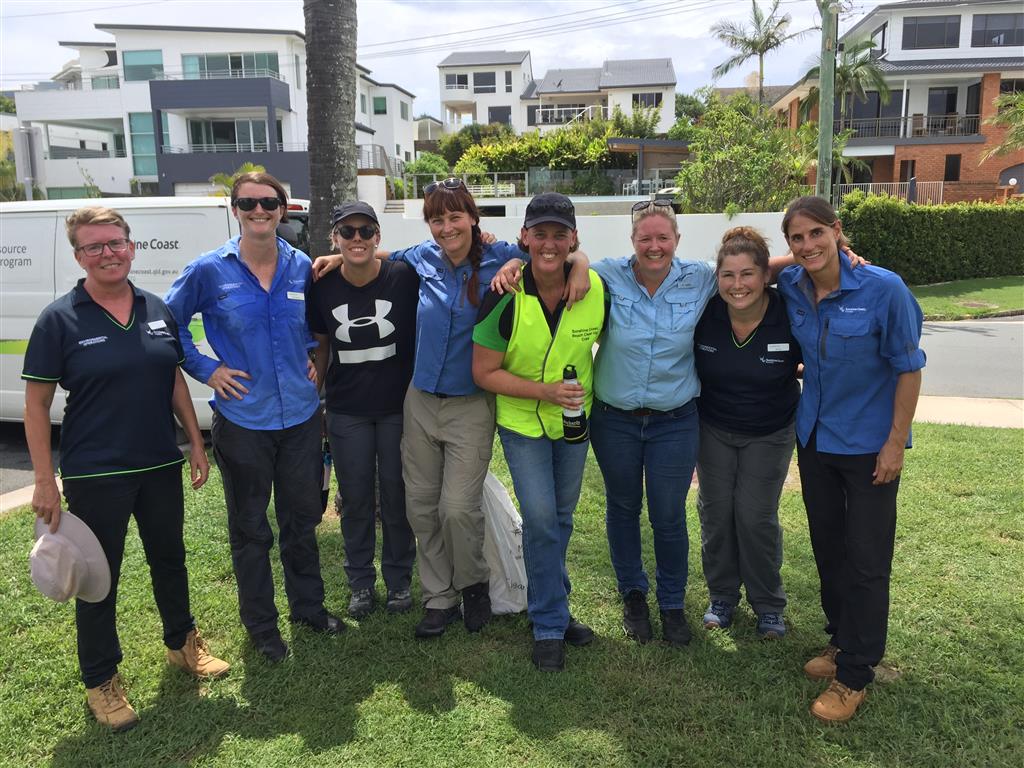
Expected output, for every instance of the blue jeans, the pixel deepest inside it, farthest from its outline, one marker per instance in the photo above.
(547, 475)
(661, 450)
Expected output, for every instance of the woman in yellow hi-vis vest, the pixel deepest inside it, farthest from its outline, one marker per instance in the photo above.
(524, 343)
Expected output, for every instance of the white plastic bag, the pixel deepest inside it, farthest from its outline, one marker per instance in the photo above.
(503, 548)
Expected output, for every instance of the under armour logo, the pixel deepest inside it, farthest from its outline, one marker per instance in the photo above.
(384, 326)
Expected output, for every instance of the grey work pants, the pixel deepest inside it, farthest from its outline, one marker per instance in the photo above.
(741, 479)
(446, 449)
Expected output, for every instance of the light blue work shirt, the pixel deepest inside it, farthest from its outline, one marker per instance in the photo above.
(646, 355)
(445, 316)
(856, 342)
(263, 333)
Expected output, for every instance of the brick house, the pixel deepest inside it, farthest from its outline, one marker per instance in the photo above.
(945, 62)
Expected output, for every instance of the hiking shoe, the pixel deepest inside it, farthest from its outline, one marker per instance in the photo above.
(578, 633)
(362, 603)
(270, 645)
(325, 624)
(195, 657)
(109, 706)
(476, 606)
(674, 628)
(770, 626)
(399, 601)
(838, 703)
(822, 666)
(549, 655)
(636, 618)
(435, 621)
(719, 615)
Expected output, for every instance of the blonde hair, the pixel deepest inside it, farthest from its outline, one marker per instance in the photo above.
(95, 214)
(746, 240)
(665, 211)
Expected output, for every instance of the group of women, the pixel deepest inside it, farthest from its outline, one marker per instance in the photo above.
(425, 349)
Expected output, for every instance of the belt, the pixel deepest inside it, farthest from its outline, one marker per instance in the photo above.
(641, 412)
(440, 395)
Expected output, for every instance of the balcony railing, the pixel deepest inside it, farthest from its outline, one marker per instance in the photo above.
(561, 115)
(913, 126)
(220, 74)
(376, 157)
(80, 153)
(456, 87)
(256, 146)
(924, 192)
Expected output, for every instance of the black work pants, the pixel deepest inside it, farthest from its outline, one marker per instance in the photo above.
(288, 461)
(154, 497)
(853, 529)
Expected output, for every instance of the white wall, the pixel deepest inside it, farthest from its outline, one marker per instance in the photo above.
(894, 34)
(372, 190)
(500, 98)
(111, 175)
(623, 98)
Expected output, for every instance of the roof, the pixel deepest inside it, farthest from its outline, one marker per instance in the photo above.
(570, 81)
(625, 73)
(926, 66)
(238, 30)
(483, 58)
(917, 4)
(530, 91)
(364, 128)
(431, 118)
(85, 44)
(371, 81)
(772, 93)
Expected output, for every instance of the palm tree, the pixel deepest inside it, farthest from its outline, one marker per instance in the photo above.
(224, 181)
(331, 110)
(805, 154)
(1011, 117)
(856, 74)
(763, 35)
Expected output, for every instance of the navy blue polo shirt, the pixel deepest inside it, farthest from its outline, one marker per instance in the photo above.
(119, 381)
(749, 388)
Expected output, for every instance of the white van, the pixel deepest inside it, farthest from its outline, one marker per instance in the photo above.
(37, 265)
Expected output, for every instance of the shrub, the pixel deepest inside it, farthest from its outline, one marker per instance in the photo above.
(427, 162)
(936, 243)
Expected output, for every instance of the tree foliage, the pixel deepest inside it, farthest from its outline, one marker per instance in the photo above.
(426, 163)
(690, 106)
(224, 181)
(7, 105)
(454, 145)
(856, 74)
(641, 124)
(1011, 117)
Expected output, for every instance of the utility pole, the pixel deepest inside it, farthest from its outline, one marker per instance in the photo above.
(826, 93)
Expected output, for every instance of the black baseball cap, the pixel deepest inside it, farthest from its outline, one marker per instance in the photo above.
(550, 207)
(353, 208)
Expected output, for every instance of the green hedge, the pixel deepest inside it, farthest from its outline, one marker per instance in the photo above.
(936, 243)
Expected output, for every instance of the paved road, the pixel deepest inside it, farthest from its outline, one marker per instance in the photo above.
(975, 358)
(15, 467)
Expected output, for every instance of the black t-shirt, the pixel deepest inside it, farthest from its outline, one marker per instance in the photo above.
(373, 336)
(750, 387)
(119, 380)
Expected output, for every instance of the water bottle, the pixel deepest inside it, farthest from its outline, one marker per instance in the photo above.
(326, 482)
(574, 420)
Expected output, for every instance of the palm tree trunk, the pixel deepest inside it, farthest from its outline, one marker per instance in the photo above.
(331, 84)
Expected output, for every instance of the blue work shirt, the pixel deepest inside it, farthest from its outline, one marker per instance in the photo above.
(262, 333)
(445, 317)
(646, 355)
(855, 344)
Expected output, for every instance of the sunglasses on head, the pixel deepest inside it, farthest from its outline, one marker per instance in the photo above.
(250, 203)
(450, 183)
(643, 205)
(347, 231)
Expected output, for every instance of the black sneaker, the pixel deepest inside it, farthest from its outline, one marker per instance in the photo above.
(362, 603)
(399, 601)
(476, 606)
(636, 617)
(578, 633)
(549, 655)
(271, 645)
(435, 621)
(325, 624)
(674, 628)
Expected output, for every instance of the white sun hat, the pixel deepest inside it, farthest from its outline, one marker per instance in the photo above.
(69, 563)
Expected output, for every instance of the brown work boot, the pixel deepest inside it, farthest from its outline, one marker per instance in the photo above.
(822, 666)
(837, 704)
(195, 657)
(110, 707)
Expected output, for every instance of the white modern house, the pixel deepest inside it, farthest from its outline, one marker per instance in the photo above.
(499, 87)
(160, 109)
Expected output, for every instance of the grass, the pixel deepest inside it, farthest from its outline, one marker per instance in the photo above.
(964, 299)
(377, 697)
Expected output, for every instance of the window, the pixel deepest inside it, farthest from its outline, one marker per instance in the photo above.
(483, 82)
(403, 108)
(456, 82)
(140, 125)
(398, 150)
(380, 105)
(202, 66)
(878, 38)
(362, 103)
(952, 172)
(143, 65)
(238, 135)
(298, 73)
(531, 114)
(1011, 86)
(499, 115)
(508, 81)
(997, 29)
(106, 83)
(646, 100)
(408, 157)
(931, 32)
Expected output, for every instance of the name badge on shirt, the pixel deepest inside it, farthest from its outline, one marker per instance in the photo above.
(156, 325)
(296, 295)
(778, 347)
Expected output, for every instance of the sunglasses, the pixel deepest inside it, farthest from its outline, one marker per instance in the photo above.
(643, 205)
(117, 247)
(250, 203)
(347, 231)
(450, 183)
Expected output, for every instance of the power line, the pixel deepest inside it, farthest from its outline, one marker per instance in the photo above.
(81, 10)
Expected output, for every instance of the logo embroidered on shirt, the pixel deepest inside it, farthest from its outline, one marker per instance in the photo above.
(93, 340)
(706, 348)
(229, 286)
(771, 360)
(843, 308)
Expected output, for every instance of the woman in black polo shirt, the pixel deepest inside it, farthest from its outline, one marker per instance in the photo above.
(114, 349)
(746, 359)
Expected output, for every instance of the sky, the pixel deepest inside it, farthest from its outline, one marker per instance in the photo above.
(568, 33)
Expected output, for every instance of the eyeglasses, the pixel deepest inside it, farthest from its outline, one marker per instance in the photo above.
(643, 205)
(347, 231)
(250, 203)
(117, 247)
(450, 183)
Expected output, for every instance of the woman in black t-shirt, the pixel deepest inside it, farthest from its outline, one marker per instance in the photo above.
(747, 360)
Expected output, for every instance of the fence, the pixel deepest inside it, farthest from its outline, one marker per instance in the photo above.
(913, 126)
(922, 192)
(591, 182)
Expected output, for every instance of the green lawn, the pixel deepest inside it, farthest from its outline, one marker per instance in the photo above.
(377, 697)
(963, 299)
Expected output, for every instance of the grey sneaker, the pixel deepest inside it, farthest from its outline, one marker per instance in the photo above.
(771, 626)
(362, 603)
(719, 615)
(399, 601)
